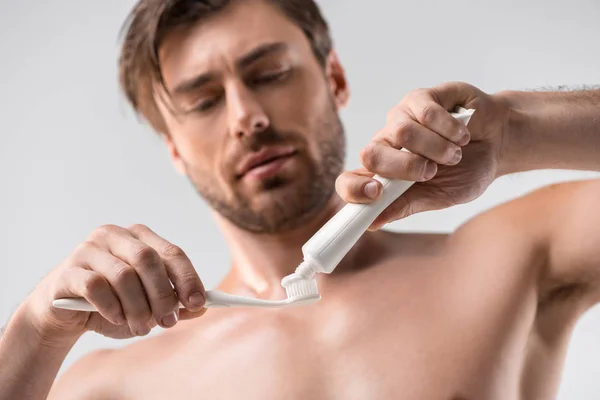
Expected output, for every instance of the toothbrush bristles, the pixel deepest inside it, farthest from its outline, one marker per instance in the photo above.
(303, 287)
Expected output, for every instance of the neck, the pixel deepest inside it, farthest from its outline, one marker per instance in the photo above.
(260, 261)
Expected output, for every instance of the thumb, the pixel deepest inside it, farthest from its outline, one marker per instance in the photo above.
(418, 198)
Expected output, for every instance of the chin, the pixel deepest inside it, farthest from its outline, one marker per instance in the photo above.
(277, 189)
(286, 198)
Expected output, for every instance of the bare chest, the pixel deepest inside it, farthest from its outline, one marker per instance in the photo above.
(394, 359)
(366, 367)
(407, 341)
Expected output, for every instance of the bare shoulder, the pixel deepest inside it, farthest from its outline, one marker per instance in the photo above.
(531, 215)
(134, 370)
(539, 237)
(92, 377)
(118, 373)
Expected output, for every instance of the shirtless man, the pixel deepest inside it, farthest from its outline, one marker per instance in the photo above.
(483, 313)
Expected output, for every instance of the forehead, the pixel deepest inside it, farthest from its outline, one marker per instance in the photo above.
(217, 41)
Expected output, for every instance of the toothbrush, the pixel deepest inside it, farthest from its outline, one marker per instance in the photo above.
(322, 253)
(217, 299)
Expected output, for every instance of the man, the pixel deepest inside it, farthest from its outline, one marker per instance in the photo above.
(245, 95)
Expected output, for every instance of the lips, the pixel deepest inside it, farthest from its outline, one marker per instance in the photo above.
(264, 160)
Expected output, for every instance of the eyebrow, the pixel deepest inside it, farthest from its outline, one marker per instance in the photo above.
(194, 83)
(260, 52)
(200, 80)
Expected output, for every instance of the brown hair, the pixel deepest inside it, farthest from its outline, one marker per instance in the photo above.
(151, 20)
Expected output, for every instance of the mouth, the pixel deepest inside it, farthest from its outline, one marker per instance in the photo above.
(265, 163)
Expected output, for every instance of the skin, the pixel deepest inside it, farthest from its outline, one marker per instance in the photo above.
(484, 312)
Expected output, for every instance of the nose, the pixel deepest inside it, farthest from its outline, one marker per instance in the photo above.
(246, 114)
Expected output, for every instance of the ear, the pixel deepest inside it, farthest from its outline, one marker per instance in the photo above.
(175, 156)
(336, 76)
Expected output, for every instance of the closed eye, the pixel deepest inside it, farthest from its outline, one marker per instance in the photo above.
(269, 78)
(206, 105)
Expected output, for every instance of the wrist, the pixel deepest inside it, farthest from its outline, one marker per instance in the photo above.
(41, 333)
(29, 360)
(518, 140)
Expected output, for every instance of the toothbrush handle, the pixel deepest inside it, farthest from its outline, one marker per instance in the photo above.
(214, 299)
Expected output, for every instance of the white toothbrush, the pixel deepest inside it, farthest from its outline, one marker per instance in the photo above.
(303, 293)
(322, 253)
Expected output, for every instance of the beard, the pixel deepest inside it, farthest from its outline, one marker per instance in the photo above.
(291, 202)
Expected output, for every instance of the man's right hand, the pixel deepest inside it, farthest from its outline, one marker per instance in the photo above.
(126, 274)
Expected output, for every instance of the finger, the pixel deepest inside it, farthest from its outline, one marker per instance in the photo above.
(418, 198)
(389, 162)
(420, 140)
(112, 259)
(187, 283)
(93, 287)
(435, 117)
(357, 188)
(362, 171)
(152, 273)
(187, 314)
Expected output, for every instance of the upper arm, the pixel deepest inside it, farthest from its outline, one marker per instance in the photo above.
(574, 242)
(84, 380)
(548, 240)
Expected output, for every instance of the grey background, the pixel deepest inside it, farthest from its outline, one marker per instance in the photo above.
(73, 156)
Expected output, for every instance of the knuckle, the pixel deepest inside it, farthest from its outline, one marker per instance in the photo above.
(188, 282)
(415, 166)
(424, 92)
(458, 129)
(146, 256)
(415, 94)
(403, 134)
(173, 251)
(124, 274)
(165, 296)
(138, 228)
(85, 247)
(93, 284)
(103, 231)
(426, 114)
(369, 157)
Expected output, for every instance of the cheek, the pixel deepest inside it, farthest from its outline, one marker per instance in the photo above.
(198, 149)
(300, 105)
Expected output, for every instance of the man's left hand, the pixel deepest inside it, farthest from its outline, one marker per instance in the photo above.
(450, 163)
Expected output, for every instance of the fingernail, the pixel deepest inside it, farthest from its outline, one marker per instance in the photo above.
(142, 330)
(457, 156)
(371, 190)
(196, 299)
(169, 320)
(120, 319)
(430, 170)
(465, 137)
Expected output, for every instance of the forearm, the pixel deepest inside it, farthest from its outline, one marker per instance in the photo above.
(551, 130)
(28, 363)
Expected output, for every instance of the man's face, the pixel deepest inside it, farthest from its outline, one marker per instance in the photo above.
(253, 120)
